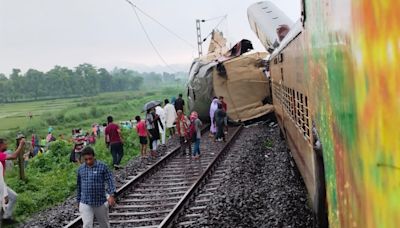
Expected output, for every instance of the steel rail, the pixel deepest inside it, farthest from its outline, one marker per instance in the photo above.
(138, 179)
(174, 214)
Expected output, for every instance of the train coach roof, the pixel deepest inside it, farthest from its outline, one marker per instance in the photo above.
(295, 30)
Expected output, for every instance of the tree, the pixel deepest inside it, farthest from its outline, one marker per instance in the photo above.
(34, 79)
(3, 77)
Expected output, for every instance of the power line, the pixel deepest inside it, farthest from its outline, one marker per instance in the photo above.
(165, 27)
(214, 18)
(219, 23)
(148, 37)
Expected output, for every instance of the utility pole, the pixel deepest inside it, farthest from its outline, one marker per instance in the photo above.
(199, 40)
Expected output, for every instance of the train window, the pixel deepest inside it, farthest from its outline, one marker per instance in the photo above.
(281, 58)
(307, 120)
(287, 100)
(303, 119)
(293, 105)
(275, 61)
(298, 114)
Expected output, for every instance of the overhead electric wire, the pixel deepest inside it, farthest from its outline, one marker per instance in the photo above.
(219, 23)
(165, 27)
(214, 18)
(148, 37)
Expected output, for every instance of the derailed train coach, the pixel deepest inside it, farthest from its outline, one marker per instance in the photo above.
(236, 75)
(334, 79)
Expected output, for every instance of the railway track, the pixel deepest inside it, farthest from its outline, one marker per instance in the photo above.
(159, 196)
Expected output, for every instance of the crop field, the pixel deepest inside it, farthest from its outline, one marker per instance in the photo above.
(65, 114)
(14, 116)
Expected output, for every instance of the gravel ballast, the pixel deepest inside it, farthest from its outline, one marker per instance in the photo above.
(263, 188)
(60, 215)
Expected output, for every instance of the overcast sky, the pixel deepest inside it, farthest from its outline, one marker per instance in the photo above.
(42, 33)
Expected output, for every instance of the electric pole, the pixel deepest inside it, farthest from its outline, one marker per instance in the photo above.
(199, 40)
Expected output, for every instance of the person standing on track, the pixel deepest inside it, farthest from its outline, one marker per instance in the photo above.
(143, 133)
(92, 197)
(180, 104)
(198, 124)
(213, 108)
(225, 108)
(161, 113)
(219, 118)
(182, 125)
(152, 121)
(113, 139)
(170, 117)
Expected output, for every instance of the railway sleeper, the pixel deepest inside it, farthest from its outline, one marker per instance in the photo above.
(139, 213)
(161, 180)
(145, 185)
(146, 200)
(169, 189)
(129, 206)
(152, 194)
(130, 221)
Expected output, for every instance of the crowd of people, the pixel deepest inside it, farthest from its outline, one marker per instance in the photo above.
(93, 199)
(158, 122)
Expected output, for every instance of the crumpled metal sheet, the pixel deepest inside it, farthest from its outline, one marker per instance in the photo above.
(244, 87)
(200, 88)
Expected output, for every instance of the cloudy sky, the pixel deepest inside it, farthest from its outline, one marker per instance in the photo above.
(42, 33)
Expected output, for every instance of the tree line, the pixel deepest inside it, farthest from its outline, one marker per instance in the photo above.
(83, 80)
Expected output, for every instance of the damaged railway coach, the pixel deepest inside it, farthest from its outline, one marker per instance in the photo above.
(335, 79)
(236, 74)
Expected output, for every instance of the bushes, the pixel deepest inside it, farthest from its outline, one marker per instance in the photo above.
(51, 178)
(55, 119)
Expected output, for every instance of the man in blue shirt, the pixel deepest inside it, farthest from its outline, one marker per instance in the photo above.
(92, 198)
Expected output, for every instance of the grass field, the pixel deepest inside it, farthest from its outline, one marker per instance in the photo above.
(65, 114)
(51, 178)
(14, 116)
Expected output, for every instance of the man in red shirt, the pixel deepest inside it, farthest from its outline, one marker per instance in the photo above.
(114, 141)
(12, 196)
(142, 132)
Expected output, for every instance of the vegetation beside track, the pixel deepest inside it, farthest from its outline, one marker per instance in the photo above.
(51, 178)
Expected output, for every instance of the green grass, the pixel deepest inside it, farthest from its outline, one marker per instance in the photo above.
(15, 115)
(51, 178)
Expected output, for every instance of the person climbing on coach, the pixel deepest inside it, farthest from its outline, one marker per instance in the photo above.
(114, 140)
(194, 119)
(92, 196)
(182, 125)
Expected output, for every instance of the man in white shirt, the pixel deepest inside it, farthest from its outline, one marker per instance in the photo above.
(170, 117)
